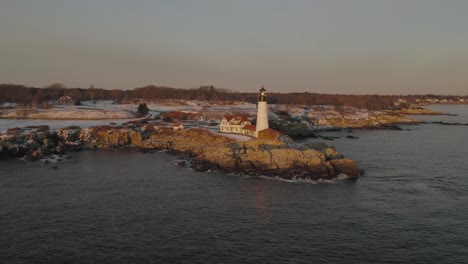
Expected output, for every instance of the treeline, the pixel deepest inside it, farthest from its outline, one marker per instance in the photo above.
(20, 94)
(371, 102)
(36, 96)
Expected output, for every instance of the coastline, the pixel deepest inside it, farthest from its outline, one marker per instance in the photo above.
(207, 150)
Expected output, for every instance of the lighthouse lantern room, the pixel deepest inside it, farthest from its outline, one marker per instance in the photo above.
(262, 95)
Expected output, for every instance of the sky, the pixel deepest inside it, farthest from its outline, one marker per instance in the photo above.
(323, 46)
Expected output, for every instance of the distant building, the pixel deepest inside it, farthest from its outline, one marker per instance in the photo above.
(66, 99)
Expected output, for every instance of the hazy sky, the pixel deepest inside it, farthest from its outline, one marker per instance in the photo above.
(327, 46)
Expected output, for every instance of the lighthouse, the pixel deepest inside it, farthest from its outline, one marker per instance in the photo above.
(262, 112)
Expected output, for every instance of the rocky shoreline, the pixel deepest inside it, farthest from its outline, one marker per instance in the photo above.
(417, 111)
(207, 150)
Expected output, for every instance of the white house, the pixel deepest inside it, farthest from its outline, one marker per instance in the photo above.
(233, 124)
(249, 130)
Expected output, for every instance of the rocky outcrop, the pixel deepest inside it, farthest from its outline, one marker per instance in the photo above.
(372, 120)
(31, 142)
(294, 128)
(270, 158)
(344, 167)
(210, 151)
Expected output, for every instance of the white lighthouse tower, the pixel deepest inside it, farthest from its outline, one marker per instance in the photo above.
(262, 112)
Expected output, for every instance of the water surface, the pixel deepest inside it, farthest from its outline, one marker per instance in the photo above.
(130, 207)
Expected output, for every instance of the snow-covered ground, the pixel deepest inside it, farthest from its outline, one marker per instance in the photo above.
(324, 112)
(236, 137)
(104, 112)
(56, 124)
(8, 105)
(69, 114)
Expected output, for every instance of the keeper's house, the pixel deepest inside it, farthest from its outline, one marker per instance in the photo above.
(233, 124)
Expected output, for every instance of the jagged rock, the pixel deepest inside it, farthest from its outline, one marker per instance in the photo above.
(36, 154)
(294, 128)
(58, 149)
(32, 145)
(39, 136)
(330, 169)
(135, 137)
(332, 154)
(70, 136)
(345, 166)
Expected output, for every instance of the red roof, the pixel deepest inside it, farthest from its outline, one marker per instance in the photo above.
(228, 117)
(236, 119)
(269, 130)
(268, 134)
(250, 127)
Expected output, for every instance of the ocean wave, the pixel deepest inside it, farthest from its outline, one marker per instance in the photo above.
(296, 180)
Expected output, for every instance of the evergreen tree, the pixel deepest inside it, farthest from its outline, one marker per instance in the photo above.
(143, 109)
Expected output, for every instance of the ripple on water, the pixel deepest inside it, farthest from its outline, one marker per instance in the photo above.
(111, 207)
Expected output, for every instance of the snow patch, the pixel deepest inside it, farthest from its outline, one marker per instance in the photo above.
(236, 137)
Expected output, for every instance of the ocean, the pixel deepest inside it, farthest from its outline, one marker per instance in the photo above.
(131, 207)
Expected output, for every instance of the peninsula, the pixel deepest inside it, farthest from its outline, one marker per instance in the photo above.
(211, 128)
(258, 150)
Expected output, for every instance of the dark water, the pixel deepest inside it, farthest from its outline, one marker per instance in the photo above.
(127, 207)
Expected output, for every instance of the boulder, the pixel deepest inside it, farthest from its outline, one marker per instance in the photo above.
(32, 144)
(58, 149)
(330, 169)
(135, 137)
(347, 167)
(332, 154)
(69, 135)
(35, 154)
